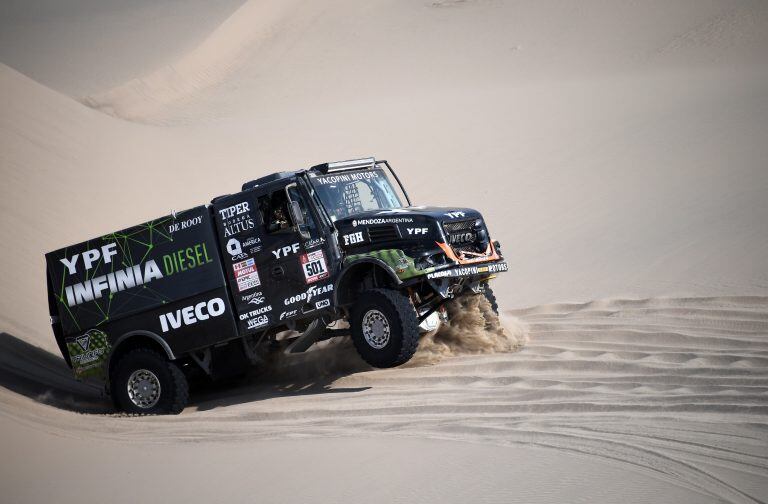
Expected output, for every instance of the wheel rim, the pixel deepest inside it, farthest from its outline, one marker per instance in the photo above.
(376, 329)
(144, 388)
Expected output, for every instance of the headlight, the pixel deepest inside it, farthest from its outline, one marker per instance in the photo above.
(431, 260)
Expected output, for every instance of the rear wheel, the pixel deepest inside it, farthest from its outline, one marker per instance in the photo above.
(145, 382)
(385, 328)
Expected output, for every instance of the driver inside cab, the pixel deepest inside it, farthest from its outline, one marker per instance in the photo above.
(274, 209)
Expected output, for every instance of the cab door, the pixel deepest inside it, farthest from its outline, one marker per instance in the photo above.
(320, 260)
(294, 259)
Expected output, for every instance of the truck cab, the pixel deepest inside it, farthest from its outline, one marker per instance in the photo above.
(306, 245)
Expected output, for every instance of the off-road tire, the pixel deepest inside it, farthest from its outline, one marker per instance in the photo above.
(403, 327)
(491, 297)
(174, 388)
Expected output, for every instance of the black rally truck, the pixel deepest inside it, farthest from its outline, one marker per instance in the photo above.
(212, 289)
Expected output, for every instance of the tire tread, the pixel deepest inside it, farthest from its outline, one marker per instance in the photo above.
(491, 297)
(180, 383)
(408, 321)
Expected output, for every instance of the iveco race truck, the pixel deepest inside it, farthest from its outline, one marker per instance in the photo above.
(272, 267)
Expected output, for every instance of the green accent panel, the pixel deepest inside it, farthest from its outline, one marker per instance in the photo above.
(88, 353)
(402, 264)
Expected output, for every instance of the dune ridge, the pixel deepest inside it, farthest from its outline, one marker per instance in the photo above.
(644, 383)
(204, 66)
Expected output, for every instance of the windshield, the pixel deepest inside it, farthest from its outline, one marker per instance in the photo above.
(350, 192)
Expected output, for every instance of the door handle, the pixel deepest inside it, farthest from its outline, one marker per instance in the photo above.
(278, 271)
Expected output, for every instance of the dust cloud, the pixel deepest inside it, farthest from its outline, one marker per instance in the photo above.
(473, 328)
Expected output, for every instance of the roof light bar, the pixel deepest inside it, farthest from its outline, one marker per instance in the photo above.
(351, 164)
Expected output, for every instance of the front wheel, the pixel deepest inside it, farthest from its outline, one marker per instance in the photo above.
(147, 383)
(385, 328)
(491, 297)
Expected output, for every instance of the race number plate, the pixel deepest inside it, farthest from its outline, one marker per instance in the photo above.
(314, 266)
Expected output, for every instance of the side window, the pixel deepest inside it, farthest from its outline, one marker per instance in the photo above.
(295, 194)
(274, 212)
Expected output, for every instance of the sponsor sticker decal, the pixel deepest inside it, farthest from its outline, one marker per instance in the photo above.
(129, 277)
(255, 298)
(84, 342)
(248, 263)
(312, 292)
(257, 322)
(353, 238)
(285, 251)
(469, 270)
(380, 220)
(255, 313)
(236, 219)
(190, 315)
(246, 275)
(185, 224)
(345, 177)
(88, 351)
(233, 247)
(252, 245)
(314, 243)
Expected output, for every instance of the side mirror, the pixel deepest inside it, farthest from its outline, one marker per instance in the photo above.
(297, 214)
(298, 219)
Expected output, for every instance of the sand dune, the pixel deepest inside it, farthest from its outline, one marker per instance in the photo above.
(671, 389)
(81, 47)
(617, 150)
(203, 67)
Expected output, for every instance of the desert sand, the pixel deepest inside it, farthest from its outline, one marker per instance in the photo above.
(617, 149)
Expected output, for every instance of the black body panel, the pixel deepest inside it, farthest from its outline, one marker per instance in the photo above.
(129, 280)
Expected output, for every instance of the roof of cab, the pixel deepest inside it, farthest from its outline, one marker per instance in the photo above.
(322, 168)
(273, 177)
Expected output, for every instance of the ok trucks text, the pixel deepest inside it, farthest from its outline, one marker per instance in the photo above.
(274, 267)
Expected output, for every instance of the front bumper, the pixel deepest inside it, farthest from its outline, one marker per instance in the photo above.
(472, 270)
(453, 280)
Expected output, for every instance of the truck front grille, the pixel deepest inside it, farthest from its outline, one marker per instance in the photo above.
(465, 236)
(458, 226)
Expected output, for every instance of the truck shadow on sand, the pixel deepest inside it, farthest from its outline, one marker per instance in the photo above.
(35, 373)
(248, 390)
(310, 373)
